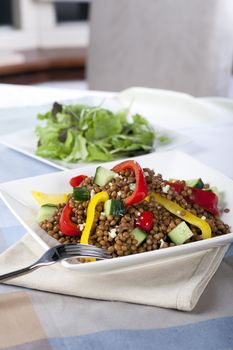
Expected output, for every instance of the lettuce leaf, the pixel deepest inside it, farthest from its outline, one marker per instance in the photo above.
(83, 133)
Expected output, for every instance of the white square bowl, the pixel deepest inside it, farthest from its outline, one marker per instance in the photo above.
(17, 195)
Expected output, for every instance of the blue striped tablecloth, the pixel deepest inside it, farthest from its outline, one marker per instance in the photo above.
(32, 319)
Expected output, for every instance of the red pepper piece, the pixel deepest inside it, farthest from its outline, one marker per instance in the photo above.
(206, 199)
(67, 226)
(178, 187)
(140, 191)
(145, 221)
(76, 181)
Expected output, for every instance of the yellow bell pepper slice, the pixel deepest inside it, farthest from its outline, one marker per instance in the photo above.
(45, 198)
(96, 199)
(184, 215)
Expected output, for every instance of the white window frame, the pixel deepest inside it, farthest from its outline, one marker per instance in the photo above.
(36, 27)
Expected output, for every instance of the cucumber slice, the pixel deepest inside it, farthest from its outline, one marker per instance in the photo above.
(103, 176)
(180, 233)
(81, 194)
(107, 207)
(45, 212)
(197, 183)
(114, 207)
(139, 235)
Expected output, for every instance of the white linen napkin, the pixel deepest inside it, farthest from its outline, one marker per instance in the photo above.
(172, 283)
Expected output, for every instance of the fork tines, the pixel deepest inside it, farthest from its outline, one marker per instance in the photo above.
(87, 250)
(69, 247)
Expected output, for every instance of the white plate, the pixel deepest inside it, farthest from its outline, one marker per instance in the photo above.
(25, 142)
(17, 196)
(167, 111)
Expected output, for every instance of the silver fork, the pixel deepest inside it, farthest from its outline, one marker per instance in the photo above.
(60, 252)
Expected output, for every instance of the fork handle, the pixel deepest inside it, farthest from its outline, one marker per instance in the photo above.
(23, 271)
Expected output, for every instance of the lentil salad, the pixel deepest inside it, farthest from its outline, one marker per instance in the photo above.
(129, 210)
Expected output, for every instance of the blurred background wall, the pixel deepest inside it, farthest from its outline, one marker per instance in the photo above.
(183, 45)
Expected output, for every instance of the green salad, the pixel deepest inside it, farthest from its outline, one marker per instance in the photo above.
(77, 132)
